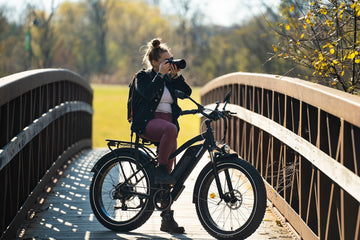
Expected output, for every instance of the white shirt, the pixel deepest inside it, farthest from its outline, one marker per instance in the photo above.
(165, 102)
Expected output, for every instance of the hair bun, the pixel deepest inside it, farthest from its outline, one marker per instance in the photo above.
(156, 42)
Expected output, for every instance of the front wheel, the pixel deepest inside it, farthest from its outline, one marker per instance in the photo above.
(241, 209)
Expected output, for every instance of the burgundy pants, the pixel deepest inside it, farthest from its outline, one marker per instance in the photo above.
(161, 129)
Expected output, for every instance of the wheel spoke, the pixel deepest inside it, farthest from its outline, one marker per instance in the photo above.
(122, 191)
(232, 212)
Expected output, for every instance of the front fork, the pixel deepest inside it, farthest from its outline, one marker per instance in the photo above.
(217, 180)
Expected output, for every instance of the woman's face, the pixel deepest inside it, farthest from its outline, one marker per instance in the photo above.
(163, 56)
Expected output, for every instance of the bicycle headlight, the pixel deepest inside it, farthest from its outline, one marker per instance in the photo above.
(225, 148)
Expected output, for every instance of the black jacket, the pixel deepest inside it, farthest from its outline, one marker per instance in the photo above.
(150, 86)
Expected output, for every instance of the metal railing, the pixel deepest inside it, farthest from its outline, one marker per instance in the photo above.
(304, 139)
(45, 118)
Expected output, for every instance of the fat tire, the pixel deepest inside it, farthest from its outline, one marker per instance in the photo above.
(96, 198)
(256, 215)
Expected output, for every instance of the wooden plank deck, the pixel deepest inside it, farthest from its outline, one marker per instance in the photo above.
(66, 213)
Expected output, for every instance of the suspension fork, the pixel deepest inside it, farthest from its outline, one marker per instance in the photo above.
(217, 180)
(210, 137)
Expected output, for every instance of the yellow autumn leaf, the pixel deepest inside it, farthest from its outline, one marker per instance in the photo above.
(304, 26)
(275, 48)
(332, 51)
(308, 20)
(350, 88)
(321, 57)
(302, 36)
(351, 55)
(329, 23)
(287, 27)
(292, 8)
(323, 11)
(357, 60)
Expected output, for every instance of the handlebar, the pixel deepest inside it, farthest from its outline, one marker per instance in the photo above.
(214, 115)
(188, 112)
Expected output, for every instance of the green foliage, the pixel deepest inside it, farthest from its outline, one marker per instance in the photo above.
(323, 36)
(103, 41)
(11, 47)
(43, 39)
(132, 24)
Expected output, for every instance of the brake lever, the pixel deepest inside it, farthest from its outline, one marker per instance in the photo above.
(228, 113)
(217, 105)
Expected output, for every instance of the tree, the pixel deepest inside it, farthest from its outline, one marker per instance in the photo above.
(323, 36)
(131, 25)
(75, 45)
(43, 37)
(40, 36)
(12, 49)
(98, 14)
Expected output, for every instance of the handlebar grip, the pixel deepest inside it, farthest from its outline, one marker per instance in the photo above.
(186, 112)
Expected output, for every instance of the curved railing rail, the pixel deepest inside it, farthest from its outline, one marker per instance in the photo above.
(304, 139)
(45, 118)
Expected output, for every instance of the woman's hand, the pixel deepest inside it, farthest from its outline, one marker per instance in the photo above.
(173, 70)
(164, 67)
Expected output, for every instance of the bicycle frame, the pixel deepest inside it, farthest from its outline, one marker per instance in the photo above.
(190, 158)
(188, 161)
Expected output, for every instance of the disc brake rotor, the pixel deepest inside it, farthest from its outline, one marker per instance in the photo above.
(236, 199)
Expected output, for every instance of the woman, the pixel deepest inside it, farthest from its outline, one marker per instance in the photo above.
(156, 117)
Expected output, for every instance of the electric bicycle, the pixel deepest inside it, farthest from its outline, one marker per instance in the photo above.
(229, 193)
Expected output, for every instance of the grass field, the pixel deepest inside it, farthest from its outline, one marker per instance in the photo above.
(110, 115)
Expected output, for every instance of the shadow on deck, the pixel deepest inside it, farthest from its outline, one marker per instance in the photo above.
(66, 213)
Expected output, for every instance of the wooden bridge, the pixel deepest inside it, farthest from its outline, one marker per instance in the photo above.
(66, 213)
(302, 137)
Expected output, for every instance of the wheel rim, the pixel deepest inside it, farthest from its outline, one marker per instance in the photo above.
(237, 211)
(120, 190)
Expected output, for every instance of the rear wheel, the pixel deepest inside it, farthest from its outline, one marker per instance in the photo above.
(242, 209)
(120, 193)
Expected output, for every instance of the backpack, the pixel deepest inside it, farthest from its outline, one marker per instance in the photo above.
(132, 101)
